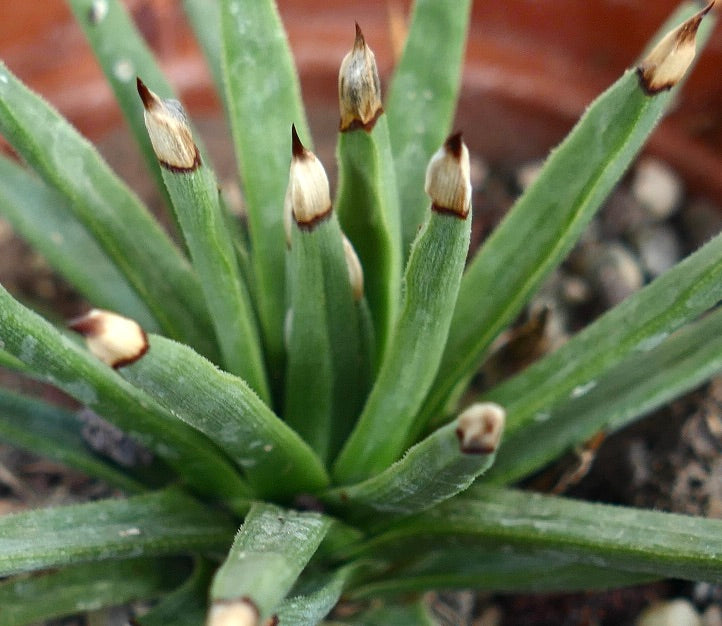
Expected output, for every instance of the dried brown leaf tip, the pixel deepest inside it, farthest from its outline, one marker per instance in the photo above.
(479, 428)
(308, 197)
(169, 132)
(114, 339)
(448, 178)
(242, 612)
(355, 271)
(668, 61)
(359, 87)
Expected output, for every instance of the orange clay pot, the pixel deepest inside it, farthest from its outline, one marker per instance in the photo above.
(532, 66)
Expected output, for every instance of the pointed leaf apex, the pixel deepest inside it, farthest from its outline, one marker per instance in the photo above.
(454, 144)
(297, 148)
(169, 132)
(114, 339)
(359, 87)
(670, 59)
(308, 197)
(149, 99)
(360, 42)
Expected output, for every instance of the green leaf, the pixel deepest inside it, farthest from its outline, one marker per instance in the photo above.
(204, 17)
(65, 243)
(422, 99)
(635, 326)
(369, 212)
(506, 569)
(309, 608)
(55, 433)
(186, 605)
(545, 223)
(59, 361)
(431, 283)
(324, 385)
(276, 461)
(269, 552)
(410, 614)
(86, 587)
(612, 537)
(110, 212)
(431, 471)
(194, 192)
(263, 100)
(122, 54)
(640, 384)
(161, 523)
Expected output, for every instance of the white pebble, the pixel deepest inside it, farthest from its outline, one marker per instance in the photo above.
(658, 248)
(657, 187)
(670, 613)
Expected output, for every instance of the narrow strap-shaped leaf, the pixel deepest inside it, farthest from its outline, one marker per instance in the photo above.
(58, 360)
(422, 99)
(193, 190)
(123, 54)
(413, 613)
(109, 210)
(637, 325)
(186, 605)
(309, 608)
(268, 554)
(431, 282)
(263, 100)
(634, 540)
(276, 461)
(90, 586)
(26, 202)
(161, 523)
(55, 433)
(324, 386)
(546, 221)
(437, 468)
(204, 17)
(11, 362)
(640, 384)
(498, 569)
(368, 209)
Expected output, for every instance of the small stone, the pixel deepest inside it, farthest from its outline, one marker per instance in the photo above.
(622, 214)
(528, 173)
(614, 271)
(574, 290)
(670, 613)
(657, 187)
(658, 247)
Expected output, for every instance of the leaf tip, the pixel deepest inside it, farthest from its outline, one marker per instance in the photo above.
(241, 612)
(669, 60)
(448, 178)
(359, 87)
(479, 428)
(114, 339)
(169, 131)
(308, 196)
(355, 271)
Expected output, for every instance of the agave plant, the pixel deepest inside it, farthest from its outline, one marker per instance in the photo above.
(298, 377)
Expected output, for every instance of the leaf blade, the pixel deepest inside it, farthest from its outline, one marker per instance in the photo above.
(255, 52)
(160, 523)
